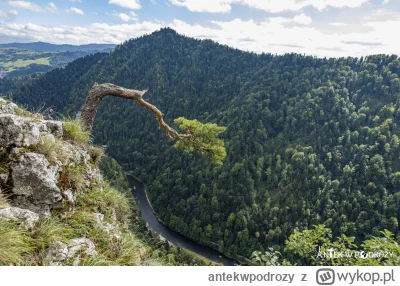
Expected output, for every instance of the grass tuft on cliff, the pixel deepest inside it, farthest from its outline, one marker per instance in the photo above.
(14, 244)
(73, 131)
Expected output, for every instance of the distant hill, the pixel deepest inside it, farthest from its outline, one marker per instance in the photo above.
(20, 59)
(46, 47)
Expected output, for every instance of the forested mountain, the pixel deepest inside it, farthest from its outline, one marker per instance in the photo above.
(309, 141)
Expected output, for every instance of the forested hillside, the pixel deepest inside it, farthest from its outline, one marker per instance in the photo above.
(309, 141)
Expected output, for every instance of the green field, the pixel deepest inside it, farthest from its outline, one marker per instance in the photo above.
(11, 66)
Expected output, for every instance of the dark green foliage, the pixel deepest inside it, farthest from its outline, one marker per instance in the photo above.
(309, 141)
(114, 174)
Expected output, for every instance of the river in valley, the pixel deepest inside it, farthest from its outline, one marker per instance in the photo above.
(175, 238)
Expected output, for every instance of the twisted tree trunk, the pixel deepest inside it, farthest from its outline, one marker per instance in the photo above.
(99, 91)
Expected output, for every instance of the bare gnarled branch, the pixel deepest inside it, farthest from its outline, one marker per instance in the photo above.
(196, 139)
(99, 91)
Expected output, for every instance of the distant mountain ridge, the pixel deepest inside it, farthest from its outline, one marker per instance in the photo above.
(47, 47)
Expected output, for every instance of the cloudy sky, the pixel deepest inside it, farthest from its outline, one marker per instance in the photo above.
(331, 28)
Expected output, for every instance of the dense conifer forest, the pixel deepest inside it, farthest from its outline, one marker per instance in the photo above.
(309, 141)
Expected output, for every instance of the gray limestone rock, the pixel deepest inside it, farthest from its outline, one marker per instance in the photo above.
(15, 214)
(56, 253)
(34, 178)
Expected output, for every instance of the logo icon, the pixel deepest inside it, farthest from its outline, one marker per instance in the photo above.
(325, 276)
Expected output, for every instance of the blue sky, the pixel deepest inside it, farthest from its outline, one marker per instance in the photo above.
(330, 28)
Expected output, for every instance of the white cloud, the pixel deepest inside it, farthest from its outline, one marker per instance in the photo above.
(274, 6)
(130, 4)
(126, 17)
(76, 1)
(50, 8)
(210, 6)
(302, 19)
(94, 33)
(8, 15)
(272, 35)
(75, 10)
(294, 5)
(385, 1)
(338, 24)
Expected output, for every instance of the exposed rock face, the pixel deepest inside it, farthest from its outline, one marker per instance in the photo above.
(56, 253)
(18, 131)
(30, 178)
(34, 178)
(81, 245)
(7, 107)
(54, 127)
(106, 226)
(41, 174)
(59, 252)
(3, 178)
(17, 214)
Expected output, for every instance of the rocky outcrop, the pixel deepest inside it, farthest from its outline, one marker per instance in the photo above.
(58, 251)
(33, 181)
(18, 131)
(16, 214)
(7, 107)
(36, 181)
(53, 197)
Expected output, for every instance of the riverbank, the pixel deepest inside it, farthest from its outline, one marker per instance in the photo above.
(176, 239)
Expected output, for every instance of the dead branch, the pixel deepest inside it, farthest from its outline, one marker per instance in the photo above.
(99, 91)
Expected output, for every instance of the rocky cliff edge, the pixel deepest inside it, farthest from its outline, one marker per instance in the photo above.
(55, 207)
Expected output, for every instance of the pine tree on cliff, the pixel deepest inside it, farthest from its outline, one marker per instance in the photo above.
(196, 135)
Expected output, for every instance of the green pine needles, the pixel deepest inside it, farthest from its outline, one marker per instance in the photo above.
(203, 138)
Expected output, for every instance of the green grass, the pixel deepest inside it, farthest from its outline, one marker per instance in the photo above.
(53, 150)
(73, 177)
(74, 132)
(108, 201)
(33, 116)
(14, 244)
(3, 202)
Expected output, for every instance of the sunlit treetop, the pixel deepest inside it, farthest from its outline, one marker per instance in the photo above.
(203, 138)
